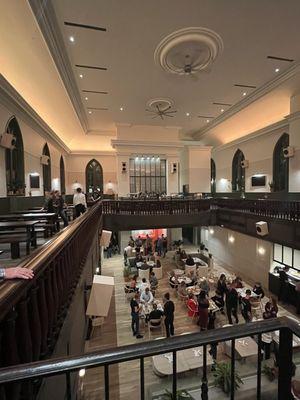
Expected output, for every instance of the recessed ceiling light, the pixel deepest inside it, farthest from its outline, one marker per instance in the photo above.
(121, 108)
(86, 98)
(222, 109)
(80, 76)
(277, 69)
(72, 39)
(90, 112)
(187, 114)
(245, 94)
(207, 120)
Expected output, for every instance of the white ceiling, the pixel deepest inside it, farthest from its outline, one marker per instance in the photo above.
(250, 30)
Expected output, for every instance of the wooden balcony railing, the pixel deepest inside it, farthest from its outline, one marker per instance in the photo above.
(32, 312)
(155, 207)
(287, 210)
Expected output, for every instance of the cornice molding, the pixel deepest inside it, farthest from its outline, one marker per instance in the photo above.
(128, 143)
(100, 132)
(15, 103)
(255, 95)
(293, 117)
(44, 14)
(92, 153)
(267, 130)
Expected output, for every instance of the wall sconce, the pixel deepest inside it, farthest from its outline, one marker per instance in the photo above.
(261, 250)
(211, 231)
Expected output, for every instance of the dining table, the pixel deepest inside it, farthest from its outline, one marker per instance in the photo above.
(178, 272)
(35, 216)
(29, 228)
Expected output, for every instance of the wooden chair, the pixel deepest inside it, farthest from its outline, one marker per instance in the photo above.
(194, 312)
(96, 322)
(157, 325)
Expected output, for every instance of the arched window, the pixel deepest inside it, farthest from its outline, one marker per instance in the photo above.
(94, 177)
(62, 175)
(281, 165)
(47, 169)
(212, 176)
(238, 172)
(14, 161)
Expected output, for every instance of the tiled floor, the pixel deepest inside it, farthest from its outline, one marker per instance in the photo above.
(117, 331)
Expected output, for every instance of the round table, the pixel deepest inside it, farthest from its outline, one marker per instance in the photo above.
(184, 279)
(178, 272)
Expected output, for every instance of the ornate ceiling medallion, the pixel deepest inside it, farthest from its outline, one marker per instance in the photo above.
(188, 50)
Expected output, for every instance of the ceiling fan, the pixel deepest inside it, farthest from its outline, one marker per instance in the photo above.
(161, 112)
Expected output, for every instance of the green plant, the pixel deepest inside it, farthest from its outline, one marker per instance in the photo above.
(180, 395)
(222, 375)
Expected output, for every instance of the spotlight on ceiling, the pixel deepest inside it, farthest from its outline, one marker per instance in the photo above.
(207, 120)
(90, 112)
(80, 76)
(86, 98)
(72, 39)
(222, 110)
(121, 108)
(277, 69)
(245, 94)
(187, 114)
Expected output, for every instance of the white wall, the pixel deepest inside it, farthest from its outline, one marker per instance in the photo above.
(195, 168)
(257, 150)
(33, 144)
(75, 173)
(240, 252)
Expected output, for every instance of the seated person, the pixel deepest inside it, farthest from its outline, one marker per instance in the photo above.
(173, 282)
(139, 258)
(203, 285)
(155, 314)
(238, 283)
(193, 278)
(182, 291)
(183, 255)
(144, 266)
(146, 296)
(144, 285)
(218, 299)
(190, 261)
(153, 280)
(132, 284)
(192, 305)
(271, 309)
(258, 290)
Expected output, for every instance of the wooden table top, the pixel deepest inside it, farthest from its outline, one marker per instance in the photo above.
(30, 216)
(16, 224)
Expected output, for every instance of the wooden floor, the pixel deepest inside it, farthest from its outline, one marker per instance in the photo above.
(116, 331)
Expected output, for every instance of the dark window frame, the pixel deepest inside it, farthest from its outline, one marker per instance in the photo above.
(47, 182)
(62, 173)
(238, 172)
(94, 176)
(143, 179)
(213, 173)
(281, 165)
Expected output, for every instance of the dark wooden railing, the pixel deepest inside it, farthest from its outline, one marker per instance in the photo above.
(155, 207)
(288, 210)
(140, 351)
(32, 312)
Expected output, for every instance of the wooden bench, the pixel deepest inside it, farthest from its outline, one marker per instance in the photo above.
(15, 241)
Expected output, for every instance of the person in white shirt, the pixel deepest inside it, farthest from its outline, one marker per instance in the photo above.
(146, 296)
(79, 202)
(128, 250)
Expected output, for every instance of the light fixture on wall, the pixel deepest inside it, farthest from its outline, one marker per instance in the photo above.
(261, 250)
(211, 231)
(124, 167)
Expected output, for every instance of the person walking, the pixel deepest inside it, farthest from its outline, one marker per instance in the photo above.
(79, 202)
(169, 309)
(246, 306)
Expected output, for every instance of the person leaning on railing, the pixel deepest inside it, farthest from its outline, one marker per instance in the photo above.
(15, 273)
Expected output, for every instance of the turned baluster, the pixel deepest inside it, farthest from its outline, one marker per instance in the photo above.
(50, 303)
(43, 313)
(22, 326)
(35, 323)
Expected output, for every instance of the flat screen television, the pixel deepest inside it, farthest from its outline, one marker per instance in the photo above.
(259, 180)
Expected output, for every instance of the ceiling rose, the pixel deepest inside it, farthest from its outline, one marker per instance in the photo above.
(188, 50)
(162, 103)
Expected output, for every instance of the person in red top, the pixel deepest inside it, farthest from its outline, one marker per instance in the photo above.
(192, 305)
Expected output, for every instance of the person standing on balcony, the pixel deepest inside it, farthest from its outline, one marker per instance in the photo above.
(169, 309)
(79, 202)
(246, 306)
(59, 205)
(135, 316)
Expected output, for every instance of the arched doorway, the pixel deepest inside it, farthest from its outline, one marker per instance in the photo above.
(212, 176)
(238, 172)
(14, 161)
(47, 169)
(94, 177)
(281, 165)
(62, 175)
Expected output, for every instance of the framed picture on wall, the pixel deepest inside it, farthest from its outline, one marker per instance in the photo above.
(34, 181)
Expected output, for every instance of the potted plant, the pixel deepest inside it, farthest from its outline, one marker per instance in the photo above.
(180, 395)
(222, 375)
(270, 372)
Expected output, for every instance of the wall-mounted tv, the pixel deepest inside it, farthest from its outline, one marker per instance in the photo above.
(258, 180)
